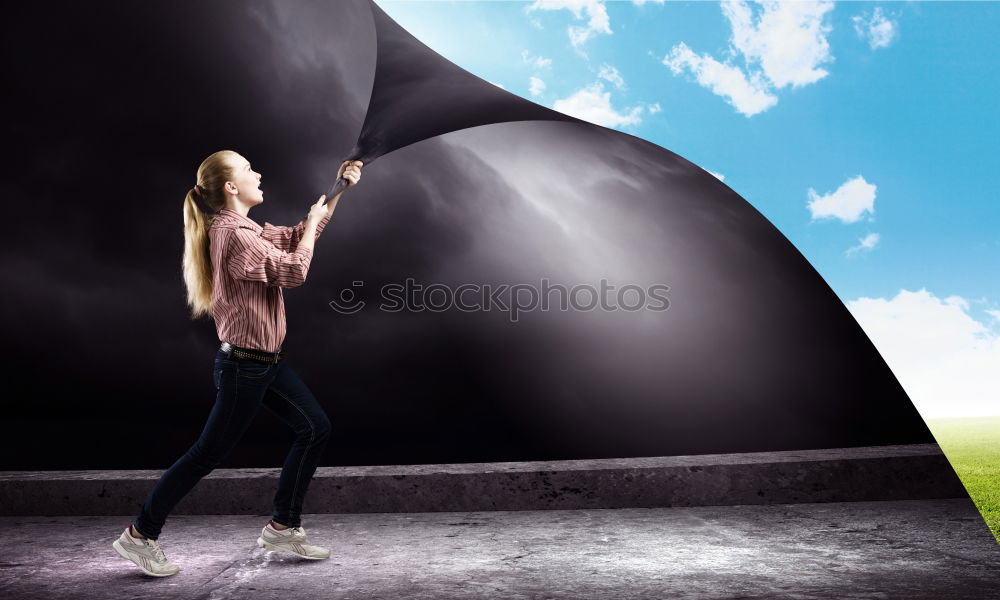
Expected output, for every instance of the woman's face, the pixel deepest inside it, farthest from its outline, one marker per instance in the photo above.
(245, 183)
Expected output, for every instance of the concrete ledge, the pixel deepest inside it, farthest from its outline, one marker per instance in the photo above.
(910, 472)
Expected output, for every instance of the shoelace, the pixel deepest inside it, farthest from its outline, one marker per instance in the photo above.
(157, 551)
(295, 531)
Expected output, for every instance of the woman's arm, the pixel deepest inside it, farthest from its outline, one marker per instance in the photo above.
(250, 257)
(287, 238)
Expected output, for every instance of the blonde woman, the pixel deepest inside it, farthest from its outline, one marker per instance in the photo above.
(234, 270)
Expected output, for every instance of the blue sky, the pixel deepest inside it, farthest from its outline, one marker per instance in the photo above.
(866, 132)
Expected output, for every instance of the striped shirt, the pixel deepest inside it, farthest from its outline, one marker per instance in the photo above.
(250, 265)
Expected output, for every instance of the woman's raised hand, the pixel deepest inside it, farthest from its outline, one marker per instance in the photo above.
(317, 211)
(351, 171)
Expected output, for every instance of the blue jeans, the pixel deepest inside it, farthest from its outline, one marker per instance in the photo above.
(243, 385)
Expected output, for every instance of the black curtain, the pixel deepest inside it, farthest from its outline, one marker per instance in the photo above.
(110, 108)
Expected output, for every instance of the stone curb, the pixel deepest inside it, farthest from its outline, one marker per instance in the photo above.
(908, 472)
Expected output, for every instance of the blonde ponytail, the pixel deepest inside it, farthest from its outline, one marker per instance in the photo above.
(196, 264)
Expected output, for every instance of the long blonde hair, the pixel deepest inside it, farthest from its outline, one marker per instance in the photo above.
(213, 173)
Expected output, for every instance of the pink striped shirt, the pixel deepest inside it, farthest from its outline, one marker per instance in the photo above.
(250, 265)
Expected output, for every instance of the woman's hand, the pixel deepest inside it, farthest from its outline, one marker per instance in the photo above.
(351, 171)
(317, 212)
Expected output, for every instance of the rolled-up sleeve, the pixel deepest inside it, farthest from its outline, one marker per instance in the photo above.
(251, 257)
(287, 238)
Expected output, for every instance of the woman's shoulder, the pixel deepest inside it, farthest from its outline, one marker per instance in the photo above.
(224, 230)
(225, 221)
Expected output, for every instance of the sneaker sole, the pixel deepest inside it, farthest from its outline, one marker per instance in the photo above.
(124, 554)
(273, 548)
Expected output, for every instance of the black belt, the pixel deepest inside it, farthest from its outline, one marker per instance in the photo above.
(249, 353)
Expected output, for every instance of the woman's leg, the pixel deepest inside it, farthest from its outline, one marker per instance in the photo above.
(292, 402)
(241, 386)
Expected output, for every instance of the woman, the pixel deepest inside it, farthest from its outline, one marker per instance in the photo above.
(234, 270)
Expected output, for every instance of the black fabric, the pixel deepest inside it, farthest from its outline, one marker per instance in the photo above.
(111, 107)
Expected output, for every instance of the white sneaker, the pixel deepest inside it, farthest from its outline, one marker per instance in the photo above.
(145, 553)
(291, 540)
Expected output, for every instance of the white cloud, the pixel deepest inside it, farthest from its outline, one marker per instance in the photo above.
(878, 30)
(537, 62)
(537, 86)
(597, 14)
(851, 200)
(611, 74)
(865, 244)
(499, 85)
(654, 108)
(782, 44)
(641, 2)
(718, 176)
(748, 96)
(593, 104)
(788, 39)
(944, 358)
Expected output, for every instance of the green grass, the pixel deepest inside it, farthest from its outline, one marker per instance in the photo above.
(972, 445)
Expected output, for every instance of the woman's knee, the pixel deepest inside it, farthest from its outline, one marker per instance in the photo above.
(314, 429)
(322, 427)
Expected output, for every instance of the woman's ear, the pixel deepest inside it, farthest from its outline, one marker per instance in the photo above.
(230, 187)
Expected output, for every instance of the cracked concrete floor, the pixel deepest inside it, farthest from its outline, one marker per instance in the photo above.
(933, 549)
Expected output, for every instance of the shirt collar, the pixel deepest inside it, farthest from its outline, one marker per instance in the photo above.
(241, 219)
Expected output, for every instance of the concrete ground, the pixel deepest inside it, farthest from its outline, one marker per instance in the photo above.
(915, 549)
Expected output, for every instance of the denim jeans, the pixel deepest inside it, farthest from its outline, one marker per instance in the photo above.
(243, 385)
